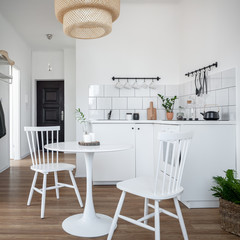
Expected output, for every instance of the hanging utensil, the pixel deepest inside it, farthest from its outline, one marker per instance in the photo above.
(200, 83)
(205, 82)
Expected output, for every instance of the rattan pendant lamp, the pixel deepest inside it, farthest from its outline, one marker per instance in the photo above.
(87, 19)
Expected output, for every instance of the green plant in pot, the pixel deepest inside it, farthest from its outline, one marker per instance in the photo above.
(168, 104)
(227, 189)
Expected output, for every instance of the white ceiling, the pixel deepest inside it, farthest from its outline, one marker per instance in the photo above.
(33, 19)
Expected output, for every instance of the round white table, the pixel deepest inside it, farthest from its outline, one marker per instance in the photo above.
(88, 224)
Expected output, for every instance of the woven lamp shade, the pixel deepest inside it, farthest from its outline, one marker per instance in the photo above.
(87, 19)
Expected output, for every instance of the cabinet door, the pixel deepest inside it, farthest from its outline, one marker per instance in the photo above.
(211, 152)
(112, 167)
(144, 150)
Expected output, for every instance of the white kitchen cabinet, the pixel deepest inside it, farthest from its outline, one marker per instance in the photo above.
(111, 167)
(212, 151)
(144, 150)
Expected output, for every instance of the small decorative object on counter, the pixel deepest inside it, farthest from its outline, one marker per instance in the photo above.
(136, 116)
(191, 110)
(180, 114)
(168, 104)
(228, 192)
(151, 112)
(129, 116)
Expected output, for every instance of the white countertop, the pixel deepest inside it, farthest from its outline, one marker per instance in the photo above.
(199, 122)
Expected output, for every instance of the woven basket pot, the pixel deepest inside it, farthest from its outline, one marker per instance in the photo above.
(230, 216)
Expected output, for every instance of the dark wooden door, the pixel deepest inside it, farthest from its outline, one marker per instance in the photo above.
(50, 105)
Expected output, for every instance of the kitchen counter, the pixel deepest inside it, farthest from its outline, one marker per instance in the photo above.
(200, 122)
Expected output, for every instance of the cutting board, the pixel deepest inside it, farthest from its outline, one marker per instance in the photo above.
(151, 112)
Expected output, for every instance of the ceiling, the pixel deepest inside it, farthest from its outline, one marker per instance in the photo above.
(33, 19)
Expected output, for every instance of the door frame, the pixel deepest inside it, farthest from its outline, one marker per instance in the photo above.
(34, 98)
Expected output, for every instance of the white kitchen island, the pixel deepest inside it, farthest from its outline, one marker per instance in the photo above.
(213, 150)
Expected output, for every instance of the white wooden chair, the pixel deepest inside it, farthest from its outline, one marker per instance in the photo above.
(173, 148)
(47, 162)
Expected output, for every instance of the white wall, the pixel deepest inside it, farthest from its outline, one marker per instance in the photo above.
(70, 93)
(210, 32)
(40, 61)
(63, 65)
(20, 52)
(143, 42)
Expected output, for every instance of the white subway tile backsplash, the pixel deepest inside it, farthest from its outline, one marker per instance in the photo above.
(119, 103)
(230, 73)
(92, 103)
(111, 91)
(222, 97)
(142, 114)
(224, 113)
(160, 89)
(114, 115)
(104, 103)
(161, 115)
(124, 92)
(96, 91)
(135, 103)
(228, 82)
(232, 113)
(171, 90)
(214, 84)
(221, 93)
(123, 113)
(142, 92)
(95, 114)
(146, 102)
(232, 96)
(210, 98)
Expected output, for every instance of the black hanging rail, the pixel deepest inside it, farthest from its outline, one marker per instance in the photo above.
(202, 69)
(136, 78)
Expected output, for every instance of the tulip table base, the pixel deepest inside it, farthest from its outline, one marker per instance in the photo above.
(79, 226)
(88, 224)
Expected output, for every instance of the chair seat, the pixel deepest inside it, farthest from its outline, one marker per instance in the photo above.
(144, 187)
(52, 167)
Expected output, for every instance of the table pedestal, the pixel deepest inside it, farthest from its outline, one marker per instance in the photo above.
(88, 224)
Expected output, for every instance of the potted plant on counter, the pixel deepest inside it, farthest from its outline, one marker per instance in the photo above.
(168, 104)
(227, 189)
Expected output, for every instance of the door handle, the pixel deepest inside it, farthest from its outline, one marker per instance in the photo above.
(62, 115)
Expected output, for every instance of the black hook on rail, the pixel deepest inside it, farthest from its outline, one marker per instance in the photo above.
(209, 67)
(135, 78)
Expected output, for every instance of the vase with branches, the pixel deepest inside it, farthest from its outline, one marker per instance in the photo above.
(82, 119)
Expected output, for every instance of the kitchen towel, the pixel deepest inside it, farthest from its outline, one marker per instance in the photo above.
(2, 122)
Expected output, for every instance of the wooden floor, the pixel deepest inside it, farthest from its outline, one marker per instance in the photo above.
(19, 221)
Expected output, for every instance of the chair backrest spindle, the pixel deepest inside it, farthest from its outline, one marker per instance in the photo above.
(173, 150)
(41, 135)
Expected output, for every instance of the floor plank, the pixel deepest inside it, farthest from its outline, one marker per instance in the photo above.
(18, 221)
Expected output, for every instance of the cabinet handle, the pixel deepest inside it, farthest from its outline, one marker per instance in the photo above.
(138, 128)
(132, 128)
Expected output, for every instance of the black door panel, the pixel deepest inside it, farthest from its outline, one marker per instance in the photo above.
(50, 105)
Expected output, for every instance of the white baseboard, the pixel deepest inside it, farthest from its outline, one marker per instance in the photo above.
(201, 204)
(5, 168)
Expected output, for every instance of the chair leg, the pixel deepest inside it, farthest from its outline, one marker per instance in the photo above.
(56, 184)
(76, 188)
(157, 221)
(43, 194)
(115, 219)
(146, 201)
(180, 218)
(32, 190)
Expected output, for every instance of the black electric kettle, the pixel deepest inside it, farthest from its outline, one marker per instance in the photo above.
(210, 115)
